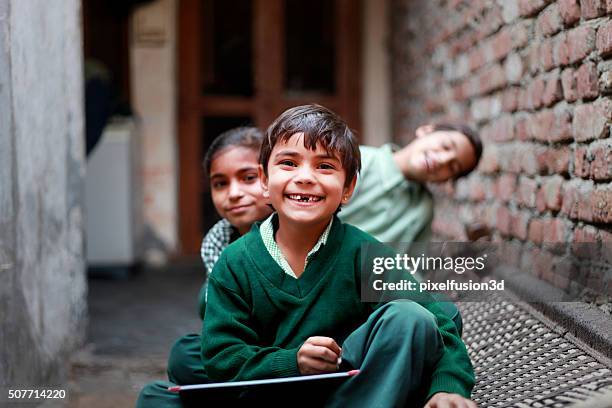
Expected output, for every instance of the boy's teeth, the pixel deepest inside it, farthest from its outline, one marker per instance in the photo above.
(303, 198)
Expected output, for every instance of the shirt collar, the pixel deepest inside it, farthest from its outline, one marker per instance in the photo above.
(267, 230)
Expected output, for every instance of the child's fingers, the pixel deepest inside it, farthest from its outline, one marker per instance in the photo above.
(325, 342)
(318, 366)
(323, 353)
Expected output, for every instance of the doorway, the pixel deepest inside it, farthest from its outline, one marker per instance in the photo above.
(243, 62)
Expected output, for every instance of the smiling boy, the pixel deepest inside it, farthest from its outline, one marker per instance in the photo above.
(285, 296)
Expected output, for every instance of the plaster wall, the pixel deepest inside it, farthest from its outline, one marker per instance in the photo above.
(43, 290)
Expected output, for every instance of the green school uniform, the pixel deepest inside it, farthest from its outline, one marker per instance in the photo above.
(385, 203)
(260, 316)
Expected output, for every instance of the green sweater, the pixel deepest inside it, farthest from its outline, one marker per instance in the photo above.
(258, 317)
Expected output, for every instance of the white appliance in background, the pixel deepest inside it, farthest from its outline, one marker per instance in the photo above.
(113, 198)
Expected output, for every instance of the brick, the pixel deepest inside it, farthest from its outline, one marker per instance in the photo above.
(491, 78)
(568, 82)
(503, 220)
(510, 252)
(592, 8)
(587, 81)
(569, 11)
(508, 157)
(587, 233)
(478, 188)
(604, 38)
(559, 281)
(556, 230)
(533, 56)
(519, 224)
(595, 281)
(506, 186)
(566, 267)
(457, 93)
(549, 21)
(530, 7)
(476, 59)
(582, 162)
(575, 206)
(561, 51)
(580, 41)
(601, 205)
(601, 165)
(536, 230)
(545, 55)
(562, 129)
(605, 82)
(552, 190)
(552, 90)
(521, 129)
(532, 160)
(510, 11)
(462, 189)
(520, 34)
(536, 91)
(591, 120)
(584, 242)
(541, 124)
(491, 22)
(543, 263)
(540, 201)
(510, 99)
(527, 188)
(523, 100)
(501, 44)
(513, 66)
(500, 130)
(606, 245)
(488, 162)
(558, 160)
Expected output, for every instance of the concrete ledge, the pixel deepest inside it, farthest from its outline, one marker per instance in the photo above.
(582, 320)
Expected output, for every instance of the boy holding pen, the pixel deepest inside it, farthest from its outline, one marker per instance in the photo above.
(284, 299)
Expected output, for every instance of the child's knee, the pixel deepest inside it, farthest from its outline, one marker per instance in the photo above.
(156, 394)
(183, 359)
(407, 316)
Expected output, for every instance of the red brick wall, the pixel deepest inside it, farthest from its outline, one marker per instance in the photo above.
(534, 77)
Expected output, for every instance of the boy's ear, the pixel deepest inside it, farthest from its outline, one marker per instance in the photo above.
(264, 181)
(348, 191)
(424, 130)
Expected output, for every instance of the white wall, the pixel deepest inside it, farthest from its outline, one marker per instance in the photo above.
(154, 97)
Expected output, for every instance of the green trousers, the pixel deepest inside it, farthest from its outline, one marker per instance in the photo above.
(395, 349)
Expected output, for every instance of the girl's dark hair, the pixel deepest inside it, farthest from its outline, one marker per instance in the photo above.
(472, 137)
(319, 126)
(249, 137)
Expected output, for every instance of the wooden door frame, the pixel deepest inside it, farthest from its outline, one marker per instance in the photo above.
(268, 99)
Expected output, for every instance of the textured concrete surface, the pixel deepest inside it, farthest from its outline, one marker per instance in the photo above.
(133, 324)
(42, 295)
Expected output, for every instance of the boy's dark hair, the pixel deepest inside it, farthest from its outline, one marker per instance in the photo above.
(472, 136)
(319, 126)
(248, 137)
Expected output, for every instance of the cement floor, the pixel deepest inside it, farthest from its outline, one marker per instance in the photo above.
(133, 322)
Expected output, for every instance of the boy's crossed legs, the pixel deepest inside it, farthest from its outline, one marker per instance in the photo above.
(395, 349)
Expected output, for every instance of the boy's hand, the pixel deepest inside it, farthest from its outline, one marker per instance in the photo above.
(446, 400)
(318, 355)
